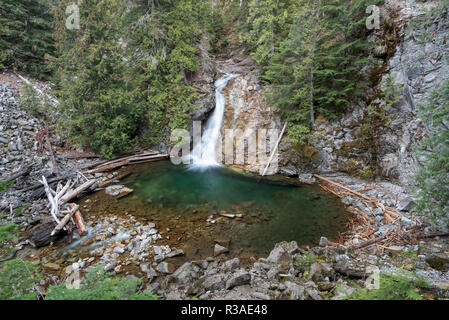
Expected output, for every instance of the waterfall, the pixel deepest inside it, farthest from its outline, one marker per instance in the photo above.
(204, 154)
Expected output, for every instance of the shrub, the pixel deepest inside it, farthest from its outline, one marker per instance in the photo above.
(433, 176)
(5, 185)
(98, 285)
(7, 232)
(393, 287)
(17, 280)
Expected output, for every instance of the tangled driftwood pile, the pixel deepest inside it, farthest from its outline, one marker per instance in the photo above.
(364, 226)
(65, 216)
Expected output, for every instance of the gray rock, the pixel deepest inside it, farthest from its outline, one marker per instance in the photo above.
(114, 190)
(406, 204)
(323, 242)
(175, 253)
(319, 271)
(294, 291)
(186, 274)
(218, 249)
(110, 266)
(213, 283)
(231, 265)
(165, 267)
(119, 250)
(283, 252)
(148, 270)
(239, 279)
(306, 178)
(406, 221)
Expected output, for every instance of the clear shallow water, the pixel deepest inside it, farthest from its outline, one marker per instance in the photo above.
(273, 209)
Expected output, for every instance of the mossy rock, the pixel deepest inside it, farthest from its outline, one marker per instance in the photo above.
(321, 120)
(310, 152)
(438, 261)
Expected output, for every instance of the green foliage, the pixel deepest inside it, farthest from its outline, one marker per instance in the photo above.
(304, 261)
(310, 54)
(393, 287)
(7, 233)
(25, 36)
(123, 78)
(35, 104)
(433, 177)
(298, 134)
(5, 185)
(391, 91)
(98, 285)
(17, 280)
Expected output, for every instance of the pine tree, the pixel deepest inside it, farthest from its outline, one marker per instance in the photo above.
(98, 106)
(433, 176)
(316, 68)
(25, 35)
(123, 78)
(268, 23)
(292, 67)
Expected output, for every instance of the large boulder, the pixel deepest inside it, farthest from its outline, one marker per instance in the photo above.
(186, 274)
(283, 252)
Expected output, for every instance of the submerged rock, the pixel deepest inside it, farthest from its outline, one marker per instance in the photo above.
(219, 250)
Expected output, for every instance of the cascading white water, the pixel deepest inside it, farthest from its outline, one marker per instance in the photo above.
(204, 154)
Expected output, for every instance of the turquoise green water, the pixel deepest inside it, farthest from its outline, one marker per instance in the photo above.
(284, 210)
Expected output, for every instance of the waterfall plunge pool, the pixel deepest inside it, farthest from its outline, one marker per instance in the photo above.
(186, 207)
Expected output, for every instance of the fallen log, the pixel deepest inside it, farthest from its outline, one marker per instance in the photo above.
(40, 235)
(53, 197)
(65, 220)
(79, 221)
(351, 273)
(18, 174)
(119, 177)
(370, 242)
(345, 188)
(73, 193)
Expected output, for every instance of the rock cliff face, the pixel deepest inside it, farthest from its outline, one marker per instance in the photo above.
(245, 109)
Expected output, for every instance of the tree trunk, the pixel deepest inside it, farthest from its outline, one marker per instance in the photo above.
(40, 235)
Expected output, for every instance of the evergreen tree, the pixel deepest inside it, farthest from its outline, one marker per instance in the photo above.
(124, 80)
(97, 103)
(292, 67)
(433, 176)
(316, 68)
(25, 35)
(268, 23)
(342, 54)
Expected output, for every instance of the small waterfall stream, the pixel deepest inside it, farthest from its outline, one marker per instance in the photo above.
(204, 154)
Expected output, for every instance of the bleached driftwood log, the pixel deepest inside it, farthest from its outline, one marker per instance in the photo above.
(65, 220)
(53, 197)
(73, 193)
